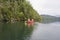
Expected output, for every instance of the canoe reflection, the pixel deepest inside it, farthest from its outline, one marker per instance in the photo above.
(29, 23)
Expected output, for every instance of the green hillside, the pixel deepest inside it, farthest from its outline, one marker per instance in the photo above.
(17, 10)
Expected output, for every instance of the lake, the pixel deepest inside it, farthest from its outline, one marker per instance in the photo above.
(39, 31)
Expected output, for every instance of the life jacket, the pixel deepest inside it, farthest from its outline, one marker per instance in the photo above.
(28, 22)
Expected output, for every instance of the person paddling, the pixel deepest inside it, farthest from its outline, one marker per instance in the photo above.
(28, 21)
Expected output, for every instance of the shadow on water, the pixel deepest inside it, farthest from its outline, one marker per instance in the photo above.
(15, 31)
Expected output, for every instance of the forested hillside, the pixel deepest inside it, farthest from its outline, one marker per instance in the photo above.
(17, 10)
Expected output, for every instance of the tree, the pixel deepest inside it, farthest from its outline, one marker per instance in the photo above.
(17, 10)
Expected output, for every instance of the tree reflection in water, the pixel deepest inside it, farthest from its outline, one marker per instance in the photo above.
(15, 31)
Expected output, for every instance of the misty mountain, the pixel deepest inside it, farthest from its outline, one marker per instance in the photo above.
(49, 18)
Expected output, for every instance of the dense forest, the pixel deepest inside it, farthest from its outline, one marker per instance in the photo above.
(17, 10)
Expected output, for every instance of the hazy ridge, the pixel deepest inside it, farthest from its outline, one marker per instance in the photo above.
(49, 18)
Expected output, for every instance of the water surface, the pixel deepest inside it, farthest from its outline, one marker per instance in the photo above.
(48, 31)
(39, 31)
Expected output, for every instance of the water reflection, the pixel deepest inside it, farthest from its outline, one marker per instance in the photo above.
(15, 31)
(29, 24)
(20, 31)
(49, 31)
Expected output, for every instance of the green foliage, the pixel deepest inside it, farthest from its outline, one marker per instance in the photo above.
(17, 10)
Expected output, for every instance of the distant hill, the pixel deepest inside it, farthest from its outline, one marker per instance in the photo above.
(48, 18)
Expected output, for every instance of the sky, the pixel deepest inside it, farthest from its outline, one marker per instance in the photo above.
(49, 7)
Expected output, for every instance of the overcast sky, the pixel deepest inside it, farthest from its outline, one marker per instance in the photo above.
(50, 7)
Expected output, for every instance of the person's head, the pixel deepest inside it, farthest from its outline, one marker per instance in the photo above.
(28, 19)
(32, 19)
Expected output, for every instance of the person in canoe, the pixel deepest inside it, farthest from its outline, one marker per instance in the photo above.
(29, 22)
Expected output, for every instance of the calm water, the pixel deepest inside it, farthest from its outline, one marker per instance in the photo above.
(39, 31)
